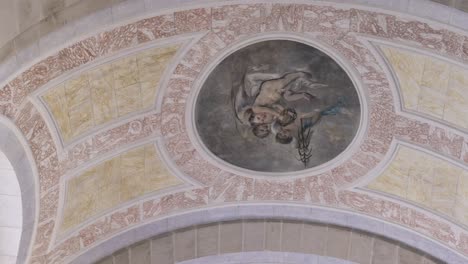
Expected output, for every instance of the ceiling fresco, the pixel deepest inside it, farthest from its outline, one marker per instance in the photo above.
(115, 181)
(277, 106)
(426, 180)
(431, 86)
(107, 92)
(112, 123)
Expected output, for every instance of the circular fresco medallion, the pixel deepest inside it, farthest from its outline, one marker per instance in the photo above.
(277, 106)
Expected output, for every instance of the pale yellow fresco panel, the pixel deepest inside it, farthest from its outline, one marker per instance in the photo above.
(391, 183)
(436, 74)
(85, 206)
(431, 101)
(445, 181)
(125, 72)
(108, 186)
(404, 158)
(394, 179)
(458, 86)
(420, 185)
(104, 105)
(456, 105)
(152, 63)
(81, 118)
(151, 66)
(456, 114)
(462, 191)
(77, 90)
(148, 92)
(129, 99)
(410, 91)
(461, 201)
(444, 206)
(461, 211)
(420, 159)
(109, 173)
(115, 181)
(82, 197)
(115, 89)
(57, 103)
(406, 63)
(103, 73)
(408, 67)
(434, 84)
(445, 187)
(156, 175)
(132, 166)
(378, 184)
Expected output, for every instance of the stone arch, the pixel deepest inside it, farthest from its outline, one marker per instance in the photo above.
(13, 145)
(276, 212)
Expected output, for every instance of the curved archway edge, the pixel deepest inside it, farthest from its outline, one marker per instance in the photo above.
(15, 148)
(269, 211)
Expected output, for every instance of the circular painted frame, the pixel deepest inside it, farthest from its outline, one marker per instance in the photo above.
(304, 39)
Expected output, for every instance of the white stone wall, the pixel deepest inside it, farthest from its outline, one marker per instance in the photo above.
(11, 215)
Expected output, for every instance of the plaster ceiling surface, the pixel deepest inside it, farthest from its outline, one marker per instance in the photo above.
(107, 122)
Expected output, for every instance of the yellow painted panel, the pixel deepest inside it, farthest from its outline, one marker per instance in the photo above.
(102, 94)
(409, 69)
(118, 180)
(81, 118)
(434, 85)
(436, 74)
(461, 201)
(109, 91)
(393, 180)
(125, 72)
(57, 102)
(431, 86)
(77, 90)
(151, 66)
(129, 99)
(431, 101)
(155, 173)
(132, 167)
(431, 182)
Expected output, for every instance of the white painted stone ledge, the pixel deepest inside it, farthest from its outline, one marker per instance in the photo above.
(266, 257)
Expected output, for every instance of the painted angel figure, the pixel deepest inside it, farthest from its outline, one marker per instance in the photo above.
(257, 100)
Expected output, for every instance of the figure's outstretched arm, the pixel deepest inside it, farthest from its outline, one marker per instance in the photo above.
(253, 81)
(263, 109)
(305, 84)
(294, 96)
